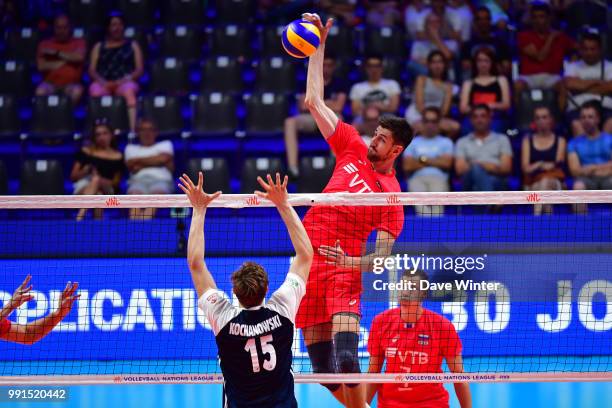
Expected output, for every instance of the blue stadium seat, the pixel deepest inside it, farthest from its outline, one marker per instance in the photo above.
(15, 79)
(182, 42)
(232, 40)
(10, 125)
(3, 179)
(340, 42)
(387, 41)
(189, 12)
(169, 76)
(270, 41)
(52, 117)
(88, 13)
(139, 13)
(235, 11)
(42, 177)
(254, 167)
(216, 173)
(222, 74)
(21, 44)
(111, 108)
(266, 113)
(213, 114)
(275, 74)
(165, 111)
(315, 173)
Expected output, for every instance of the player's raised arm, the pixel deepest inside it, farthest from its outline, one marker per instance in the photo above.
(325, 117)
(277, 193)
(32, 332)
(201, 276)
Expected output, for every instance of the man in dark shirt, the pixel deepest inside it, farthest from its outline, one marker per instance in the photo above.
(483, 36)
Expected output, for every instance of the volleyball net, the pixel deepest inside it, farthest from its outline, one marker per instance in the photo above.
(529, 297)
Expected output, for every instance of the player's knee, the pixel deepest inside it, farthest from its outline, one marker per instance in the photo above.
(346, 353)
(320, 358)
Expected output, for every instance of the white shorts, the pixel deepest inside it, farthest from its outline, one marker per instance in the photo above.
(540, 81)
(149, 185)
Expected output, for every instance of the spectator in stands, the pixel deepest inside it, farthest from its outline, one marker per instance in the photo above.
(498, 9)
(590, 154)
(375, 92)
(589, 78)
(98, 166)
(447, 30)
(150, 164)
(484, 36)
(429, 159)
(60, 60)
(335, 92)
(341, 10)
(460, 16)
(382, 13)
(483, 158)
(486, 88)
(432, 39)
(433, 90)
(115, 66)
(543, 157)
(541, 54)
(414, 17)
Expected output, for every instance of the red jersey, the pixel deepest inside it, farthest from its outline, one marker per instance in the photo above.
(417, 348)
(562, 45)
(70, 72)
(353, 173)
(5, 326)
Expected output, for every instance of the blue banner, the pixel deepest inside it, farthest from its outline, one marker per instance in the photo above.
(147, 309)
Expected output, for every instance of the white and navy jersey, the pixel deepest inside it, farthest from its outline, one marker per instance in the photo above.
(255, 345)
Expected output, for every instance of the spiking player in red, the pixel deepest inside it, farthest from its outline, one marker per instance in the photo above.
(413, 339)
(329, 314)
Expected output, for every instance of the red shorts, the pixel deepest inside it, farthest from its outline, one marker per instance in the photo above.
(329, 291)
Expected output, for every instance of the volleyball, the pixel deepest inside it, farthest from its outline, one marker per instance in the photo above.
(301, 38)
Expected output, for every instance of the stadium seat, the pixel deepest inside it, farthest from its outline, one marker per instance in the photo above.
(385, 41)
(90, 35)
(235, 11)
(216, 173)
(15, 79)
(139, 13)
(9, 118)
(586, 13)
(3, 179)
(392, 68)
(266, 113)
(141, 36)
(42, 177)
(169, 76)
(181, 42)
(111, 108)
(213, 113)
(229, 40)
(340, 42)
(52, 116)
(529, 100)
(222, 74)
(88, 13)
(165, 111)
(315, 172)
(275, 74)
(183, 12)
(254, 167)
(21, 44)
(270, 38)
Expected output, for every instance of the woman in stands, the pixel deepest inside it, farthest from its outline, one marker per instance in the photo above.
(433, 90)
(115, 65)
(543, 157)
(98, 166)
(486, 87)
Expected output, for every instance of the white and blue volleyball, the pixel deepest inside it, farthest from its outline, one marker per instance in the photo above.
(301, 38)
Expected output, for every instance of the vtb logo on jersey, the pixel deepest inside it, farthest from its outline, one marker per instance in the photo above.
(357, 179)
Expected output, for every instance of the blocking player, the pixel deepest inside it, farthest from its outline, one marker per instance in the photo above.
(330, 312)
(32, 332)
(413, 339)
(254, 341)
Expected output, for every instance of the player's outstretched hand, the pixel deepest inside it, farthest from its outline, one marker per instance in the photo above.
(274, 191)
(67, 298)
(316, 20)
(334, 255)
(198, 198)
(22, 294)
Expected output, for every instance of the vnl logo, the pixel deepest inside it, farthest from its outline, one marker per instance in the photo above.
(112, 202)
(533, 198)
(253, 201)
(393, 199)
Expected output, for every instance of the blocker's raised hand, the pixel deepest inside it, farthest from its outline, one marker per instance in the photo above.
(316, 20)
(198, 198)
(274, 191)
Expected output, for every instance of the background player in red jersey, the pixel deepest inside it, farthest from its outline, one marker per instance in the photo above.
(30, 333)
(330, 312)
(413, 339)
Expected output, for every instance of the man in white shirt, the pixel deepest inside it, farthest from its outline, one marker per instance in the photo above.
(587, 79)
(150, 164)
(376, 92)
